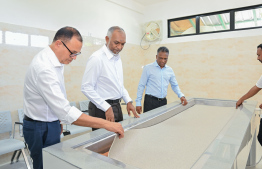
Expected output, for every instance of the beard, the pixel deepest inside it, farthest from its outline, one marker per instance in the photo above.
(260, 61)
(116, 51)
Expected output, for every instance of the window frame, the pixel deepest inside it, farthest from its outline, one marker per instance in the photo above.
(231, 16)
(183, 18)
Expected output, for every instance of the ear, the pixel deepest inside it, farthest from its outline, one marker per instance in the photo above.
(156, 56)
(107, 40)
(58, 43)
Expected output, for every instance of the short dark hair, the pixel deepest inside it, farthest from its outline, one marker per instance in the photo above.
(162, 49)
(259, 46)
(66, 33)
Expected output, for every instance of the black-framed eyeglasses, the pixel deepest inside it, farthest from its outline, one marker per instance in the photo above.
(72, 54)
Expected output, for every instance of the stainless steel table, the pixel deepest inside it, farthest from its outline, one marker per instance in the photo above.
(232, 147)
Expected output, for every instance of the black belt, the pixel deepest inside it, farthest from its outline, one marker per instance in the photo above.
(113, 101)
(29, 119)
(159, 99)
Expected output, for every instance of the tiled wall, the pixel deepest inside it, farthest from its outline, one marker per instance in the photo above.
(224, 68)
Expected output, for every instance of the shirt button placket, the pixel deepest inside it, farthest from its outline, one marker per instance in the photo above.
(117, 75)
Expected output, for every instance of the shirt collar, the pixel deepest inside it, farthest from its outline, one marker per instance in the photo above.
(110, 54)
(54, 60)
(156, 64)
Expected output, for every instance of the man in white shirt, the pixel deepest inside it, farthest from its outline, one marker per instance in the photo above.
(103, 83)
(253, 91)
(45, 101)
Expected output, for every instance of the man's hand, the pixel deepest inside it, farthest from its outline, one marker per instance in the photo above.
(110, 115)
(239, 102)
(115, 127)
(139, 109)
(253, 91)
(129, 108)
(183, 101)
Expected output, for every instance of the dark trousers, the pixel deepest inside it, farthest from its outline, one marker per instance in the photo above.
(152, 102)
(259, 136)
(96, 112)
(39, 135)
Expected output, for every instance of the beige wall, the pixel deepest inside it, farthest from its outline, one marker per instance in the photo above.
(224, 68)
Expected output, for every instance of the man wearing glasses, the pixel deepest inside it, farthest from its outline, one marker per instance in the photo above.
(45, 100)
(103, 82)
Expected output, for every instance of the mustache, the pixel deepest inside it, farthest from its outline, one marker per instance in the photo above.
(117, 51)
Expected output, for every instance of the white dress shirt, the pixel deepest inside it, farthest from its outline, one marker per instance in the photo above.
(259, 83)
(103, 79)
(44, 90)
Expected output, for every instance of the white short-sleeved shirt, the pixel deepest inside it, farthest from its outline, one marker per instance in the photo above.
(44, 90)
(259, 83)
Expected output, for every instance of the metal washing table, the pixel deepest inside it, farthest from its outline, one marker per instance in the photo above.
(233, 146)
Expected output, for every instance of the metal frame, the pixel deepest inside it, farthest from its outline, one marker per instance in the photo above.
(232, 21)
(81, 152)
(12, 136)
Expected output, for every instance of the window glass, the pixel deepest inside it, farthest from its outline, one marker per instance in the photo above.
(248, 18)
(1, 37)
(183, 27)
(212, 23)
(39, 41)
(219, 21)
(12, 38)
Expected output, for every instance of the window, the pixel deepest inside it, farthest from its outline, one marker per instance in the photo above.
(39, 41)
(248, 18)
(1, 37)
(220, 21)
(183, 27)
(97, 42)
(16, 38)
(212, 23)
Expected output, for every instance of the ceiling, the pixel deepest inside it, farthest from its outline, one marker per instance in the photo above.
(148, 2)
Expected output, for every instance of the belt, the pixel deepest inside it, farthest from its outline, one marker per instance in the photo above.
(29, 119)
(113, 101)
(159, 99)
